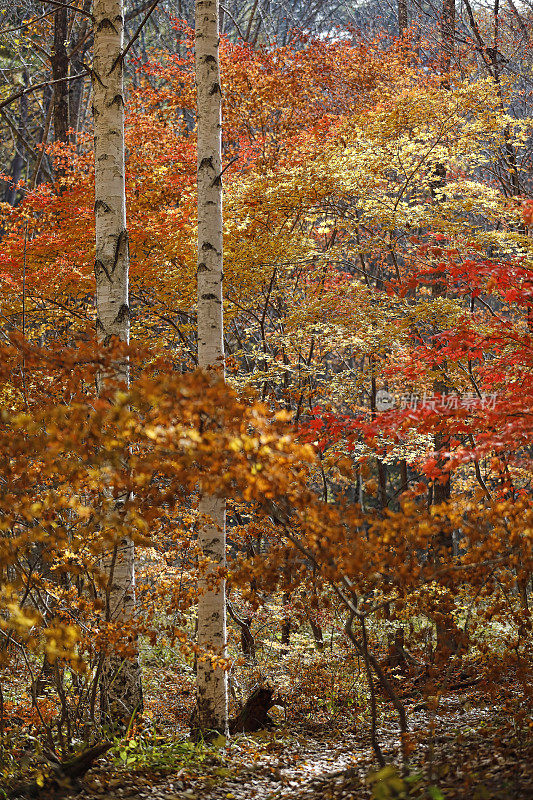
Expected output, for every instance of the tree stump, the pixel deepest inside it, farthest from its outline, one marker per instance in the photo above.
(254, 714)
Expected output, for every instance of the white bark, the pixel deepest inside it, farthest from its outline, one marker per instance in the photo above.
(121, 678)
(111, 264)
(212, 700)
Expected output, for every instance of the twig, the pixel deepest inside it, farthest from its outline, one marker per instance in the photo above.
(374, 739)
(136, 34)
(70, 7)
(36, 86)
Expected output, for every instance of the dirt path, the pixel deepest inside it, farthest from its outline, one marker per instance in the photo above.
(457, 751)
(283, 765)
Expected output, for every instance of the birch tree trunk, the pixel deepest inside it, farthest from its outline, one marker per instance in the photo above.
(212, 702)
(121, 694)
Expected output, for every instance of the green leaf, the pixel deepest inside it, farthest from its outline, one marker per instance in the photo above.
(382, 774)
(386, 783)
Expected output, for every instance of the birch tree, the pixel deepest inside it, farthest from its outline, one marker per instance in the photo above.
(121, 680)
(212, 703)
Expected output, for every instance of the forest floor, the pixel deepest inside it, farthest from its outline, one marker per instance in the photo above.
(470, 737)
(463, 750)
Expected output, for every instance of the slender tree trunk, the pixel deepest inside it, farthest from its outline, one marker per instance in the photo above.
(403, 22)
(381, 468)
(111, 265)
(121, 677)
(212, 696)
(17, 165)
(79, 46)
(447, 32)
(59, 116)
(286, 627)
(75, 94)
(448, 634)
(60, 73)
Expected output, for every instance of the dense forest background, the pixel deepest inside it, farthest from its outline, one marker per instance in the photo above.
(363, 461)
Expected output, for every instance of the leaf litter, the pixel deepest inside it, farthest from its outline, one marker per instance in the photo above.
(460, 751)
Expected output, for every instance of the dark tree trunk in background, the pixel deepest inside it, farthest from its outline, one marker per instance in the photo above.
(75, 93)
(80, 44)
(285, 627)
(447, 32)
(17, 165)
(60, 73)
(382, 469)
(403, 22)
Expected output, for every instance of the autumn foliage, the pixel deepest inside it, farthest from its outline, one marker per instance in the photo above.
(368, 250)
